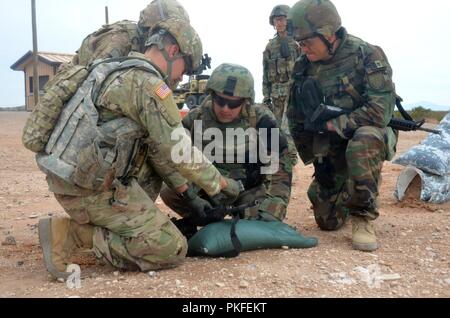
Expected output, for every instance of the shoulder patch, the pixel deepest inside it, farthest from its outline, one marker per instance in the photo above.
(163, 91)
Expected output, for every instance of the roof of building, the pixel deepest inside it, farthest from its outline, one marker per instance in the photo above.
(46, 57)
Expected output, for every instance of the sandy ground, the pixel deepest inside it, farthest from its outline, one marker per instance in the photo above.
(413, 261)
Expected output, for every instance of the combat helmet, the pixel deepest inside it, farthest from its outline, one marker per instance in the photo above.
(160, 10)
(232, 80)
(314, 18)
(279, 11)
(187, 38)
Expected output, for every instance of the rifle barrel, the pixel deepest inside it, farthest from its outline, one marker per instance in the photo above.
(433, 131)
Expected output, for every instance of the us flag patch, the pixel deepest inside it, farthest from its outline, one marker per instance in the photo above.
(163, 91)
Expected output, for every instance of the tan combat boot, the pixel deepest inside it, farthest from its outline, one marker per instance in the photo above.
(58, 238)
(363, 234)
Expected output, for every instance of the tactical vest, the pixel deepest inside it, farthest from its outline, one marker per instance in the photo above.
(341, 82)
(248, 119)
(85, 152)
(282, 56)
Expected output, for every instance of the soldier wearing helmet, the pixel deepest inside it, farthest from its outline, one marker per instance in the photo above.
(278, 63)
(117, 144)
(121, 38)
(349, 144)
(230, 105)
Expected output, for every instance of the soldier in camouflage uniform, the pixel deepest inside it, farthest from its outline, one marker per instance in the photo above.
(230, 105)
(118, 218)
(348, 151)
(278, 63)
(121, 38)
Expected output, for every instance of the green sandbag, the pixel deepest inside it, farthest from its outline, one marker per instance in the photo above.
(214, 240)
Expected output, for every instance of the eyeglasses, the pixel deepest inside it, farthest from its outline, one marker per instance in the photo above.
(232, 104)
(308, 42)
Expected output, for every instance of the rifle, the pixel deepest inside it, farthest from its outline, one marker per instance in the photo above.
(188, 226)
(206, 64)
(321, 113)
(325, 113)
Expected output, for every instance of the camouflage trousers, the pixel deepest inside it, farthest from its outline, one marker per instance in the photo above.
(174, 202)
(279, 106)
(354, 177)
(131, 233)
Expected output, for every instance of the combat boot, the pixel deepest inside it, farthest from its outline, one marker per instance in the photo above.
(58, 238)
(363, 234)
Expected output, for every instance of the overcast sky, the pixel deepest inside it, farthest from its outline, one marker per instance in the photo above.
(414, 34)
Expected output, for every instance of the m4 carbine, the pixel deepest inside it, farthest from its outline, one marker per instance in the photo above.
(325, 113)
(320, 113)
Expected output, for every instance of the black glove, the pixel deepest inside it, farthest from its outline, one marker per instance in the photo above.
(324, 173)
(196, 204)
(268, 102)
(315, 127)
(229, 194)
(311, 96)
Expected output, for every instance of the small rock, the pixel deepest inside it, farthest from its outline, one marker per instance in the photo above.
(33, 216)
(285, 247)
(9, 240)
(243, 284)
(74, 297)
(61, 280)
(221, 285)
(178, 283)
(447, 281)
(429, 248)
(230, 275)
(152, 274)
(20, 263)
(390, 277)
(116, 273)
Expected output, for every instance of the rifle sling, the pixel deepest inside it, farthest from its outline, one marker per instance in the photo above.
(402, 111)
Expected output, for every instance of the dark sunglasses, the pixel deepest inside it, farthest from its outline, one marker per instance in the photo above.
(232, 104)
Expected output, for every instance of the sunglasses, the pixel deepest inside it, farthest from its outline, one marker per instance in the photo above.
(308, 42)
(232, 104)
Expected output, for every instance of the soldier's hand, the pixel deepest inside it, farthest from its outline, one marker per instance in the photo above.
(229, 193)
(315, 127)
(268, 102)
(196, 204)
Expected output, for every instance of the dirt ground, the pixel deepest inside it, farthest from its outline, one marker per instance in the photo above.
(413, 260)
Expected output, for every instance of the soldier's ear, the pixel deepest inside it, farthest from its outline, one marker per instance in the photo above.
(173, 50)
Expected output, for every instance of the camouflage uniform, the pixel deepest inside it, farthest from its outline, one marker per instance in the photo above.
(348, 163)
(121, 38)
(278, 63)
(273, 191)
(279, 59)
(131, 232)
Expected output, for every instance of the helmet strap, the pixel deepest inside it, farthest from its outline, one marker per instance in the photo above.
(327, 43)
(169, 61)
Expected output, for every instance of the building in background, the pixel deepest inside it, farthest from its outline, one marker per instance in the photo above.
(47, 67)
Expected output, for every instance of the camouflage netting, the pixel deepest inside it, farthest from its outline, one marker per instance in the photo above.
(431, 162)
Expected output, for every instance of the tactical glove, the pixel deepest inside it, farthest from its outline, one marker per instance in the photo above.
(229, 194)
(268, 102)
(315, 127)
(196, 204)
